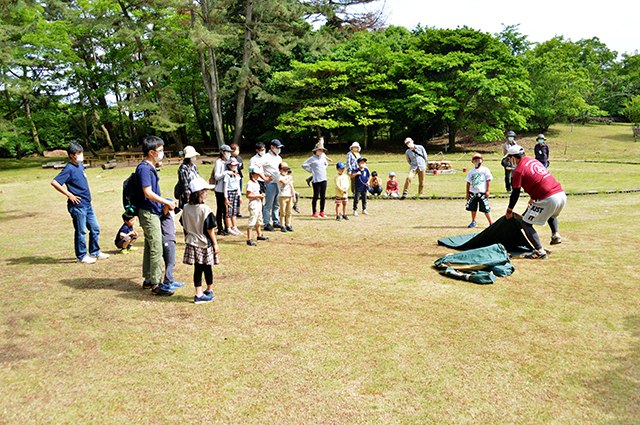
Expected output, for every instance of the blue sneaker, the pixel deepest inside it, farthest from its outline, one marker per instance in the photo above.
(473, 224)
(535, 255)
(205, 298)
(175, 285)
(208, 293)
(163, 289)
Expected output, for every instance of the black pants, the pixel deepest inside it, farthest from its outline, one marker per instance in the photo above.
(221, 211)
(319, 191)
(507, 179)
(198, 269)
(360, 194)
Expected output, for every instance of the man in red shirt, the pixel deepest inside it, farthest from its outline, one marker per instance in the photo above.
(546, 203)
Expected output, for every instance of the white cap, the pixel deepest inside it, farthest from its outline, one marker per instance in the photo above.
(392, 174)
(515, 150)
(354, 145)
(190, 152)
(198, 184)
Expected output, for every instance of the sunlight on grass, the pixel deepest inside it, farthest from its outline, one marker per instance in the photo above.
(338, 322)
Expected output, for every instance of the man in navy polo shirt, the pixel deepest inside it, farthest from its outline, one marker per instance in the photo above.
(79, 205)
(147, 189)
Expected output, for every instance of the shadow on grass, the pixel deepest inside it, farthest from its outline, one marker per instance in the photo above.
(13, 215)
(33, 259)
(616, 391)
(444, 227)
(128, 288)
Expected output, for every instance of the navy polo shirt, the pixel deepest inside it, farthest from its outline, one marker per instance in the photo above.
(76, 180)
(361, 180)
(146, 175)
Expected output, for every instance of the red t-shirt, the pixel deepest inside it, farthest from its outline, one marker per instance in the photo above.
(535, 179)
(392, 186)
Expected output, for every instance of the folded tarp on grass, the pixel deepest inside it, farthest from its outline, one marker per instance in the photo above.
(506, 232)
(480, 265)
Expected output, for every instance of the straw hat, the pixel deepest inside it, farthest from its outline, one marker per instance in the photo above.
(318, 146)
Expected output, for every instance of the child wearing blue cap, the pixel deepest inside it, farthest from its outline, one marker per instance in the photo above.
(343, 182)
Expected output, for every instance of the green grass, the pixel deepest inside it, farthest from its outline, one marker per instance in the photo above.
(336, 323)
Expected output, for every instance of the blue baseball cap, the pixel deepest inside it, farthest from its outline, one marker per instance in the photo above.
(341, 165)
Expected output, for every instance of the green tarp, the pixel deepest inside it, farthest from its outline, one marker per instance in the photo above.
(479, 265)
(506, 232)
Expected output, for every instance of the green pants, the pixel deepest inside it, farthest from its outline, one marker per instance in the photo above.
(152, 259)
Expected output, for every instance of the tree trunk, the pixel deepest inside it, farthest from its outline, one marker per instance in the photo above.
(366, 138)
(209, 71)
(34, 130)
(453, 129)
(199, 119)
(245, 71)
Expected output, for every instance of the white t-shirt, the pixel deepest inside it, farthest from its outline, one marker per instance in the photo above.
(284, 190)
(253, 187)
(256, 162)
(270, 164)
(478, 178)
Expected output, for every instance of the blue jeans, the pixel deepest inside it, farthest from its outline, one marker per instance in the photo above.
(169, 256)
(84, 218)
(271, 208)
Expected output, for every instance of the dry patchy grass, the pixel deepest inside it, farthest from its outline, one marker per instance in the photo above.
(339, 322)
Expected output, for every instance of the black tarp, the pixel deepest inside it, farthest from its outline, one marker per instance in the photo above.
(506, 232)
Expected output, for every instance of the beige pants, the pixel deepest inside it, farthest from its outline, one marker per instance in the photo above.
(410, 177)
(286, 207)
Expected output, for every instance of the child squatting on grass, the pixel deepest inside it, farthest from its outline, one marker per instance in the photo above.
(343, 182)
(393, 189)
(201, 246)
(255, 196)
(126, 236)
(478, 184)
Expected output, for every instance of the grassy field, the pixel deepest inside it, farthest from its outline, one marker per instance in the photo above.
(338, 323)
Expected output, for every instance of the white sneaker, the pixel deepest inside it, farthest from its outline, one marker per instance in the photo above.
(87, 259)
(101, 256)
(234, 231)
(355, 213)
(365, 212)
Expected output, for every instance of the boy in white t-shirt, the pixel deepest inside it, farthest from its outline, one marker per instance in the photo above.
(478, 184)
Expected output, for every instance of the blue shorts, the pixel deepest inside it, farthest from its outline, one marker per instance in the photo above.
(478, 200)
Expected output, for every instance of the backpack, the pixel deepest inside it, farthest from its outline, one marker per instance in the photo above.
(130, 200)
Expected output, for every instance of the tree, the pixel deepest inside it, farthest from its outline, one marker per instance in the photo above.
(351, 88)
(632, 110)
(513, 39)
(466, 78)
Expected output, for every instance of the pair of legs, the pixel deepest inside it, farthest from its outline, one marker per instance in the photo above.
(233, 210)
(255, 218)
(480, 202)
(198, 271)
(360, 194)
(410, 177)
(271, 209)
(84, 219)
(169, 257)
(541, 212)
(507, 179)
(342, 202)
(152, 258)
(221, 213)
(286, 209)
(126, 242)
(375, 191)
(319, 191)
